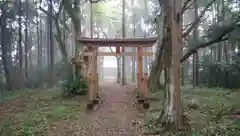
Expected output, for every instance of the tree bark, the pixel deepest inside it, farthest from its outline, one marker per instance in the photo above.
(171, 116)
(20, 49)
(50, 43)
(195, 55)
(39, 57)
(6, 49)
(26, 49)
(123, 36)
(157, 64)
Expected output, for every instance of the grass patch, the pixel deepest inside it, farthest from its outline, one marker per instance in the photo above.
(13, 94)
(45, 108)
(214, 114)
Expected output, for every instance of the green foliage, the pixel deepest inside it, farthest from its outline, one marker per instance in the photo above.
(214, 115)
(37, 119)
(74, 87)
(6, 130)
(219, 74)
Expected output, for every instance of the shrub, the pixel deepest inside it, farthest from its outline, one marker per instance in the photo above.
(79, 86)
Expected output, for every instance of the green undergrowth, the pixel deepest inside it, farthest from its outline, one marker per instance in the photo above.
(206, 111)
(12, 94)
(71, 87)
(44, 111)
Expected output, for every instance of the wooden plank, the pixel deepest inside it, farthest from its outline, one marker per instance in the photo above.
(119, 54)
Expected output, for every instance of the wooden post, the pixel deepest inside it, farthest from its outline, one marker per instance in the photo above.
(90, 87)
(140, 69)
(138, 84)
(145, 87)
(91, 77)
(97, 86)
(94, 71)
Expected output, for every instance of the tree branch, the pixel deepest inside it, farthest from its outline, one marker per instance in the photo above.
(220, 38)
(186, 6)
(56, 17)
(187, 26)
(197, 21)
(46, 12)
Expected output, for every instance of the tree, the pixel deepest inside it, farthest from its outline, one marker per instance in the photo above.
(123, 36)
(195, 55)
(163, 60)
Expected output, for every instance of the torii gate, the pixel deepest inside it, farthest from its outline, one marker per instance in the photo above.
(89, 59)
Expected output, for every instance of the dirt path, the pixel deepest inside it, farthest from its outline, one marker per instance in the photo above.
(117, 116)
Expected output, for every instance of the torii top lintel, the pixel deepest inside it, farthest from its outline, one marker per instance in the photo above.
(126, 42)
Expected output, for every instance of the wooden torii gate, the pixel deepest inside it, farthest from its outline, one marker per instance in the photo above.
(89, 59)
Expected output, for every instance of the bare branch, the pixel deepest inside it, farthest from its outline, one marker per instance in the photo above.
(105, 35)
(186, 5)
(60, 9)
(186, 27)
(55, 17)
(46, 12)
(197, 21)
(221, 37)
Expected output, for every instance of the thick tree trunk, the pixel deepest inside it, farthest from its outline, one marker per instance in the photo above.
(40, 49)
(20, 50)
(171, 116)
(157, 64)
(61, 41)
(134, 49)
(6, 57)
(195, 55)
(50, 43)
(26, 48)
(123, 36)
(133, 65)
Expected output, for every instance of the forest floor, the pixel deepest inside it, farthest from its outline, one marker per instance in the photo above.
(44, 112)
(47, 113)
(206, 111)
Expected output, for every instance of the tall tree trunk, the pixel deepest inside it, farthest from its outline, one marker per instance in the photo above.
(50, 43)
(195, 55)
(134, 50)
(146, 49)
(30, 44)
(77, 26)
(6, 49)
(157, 64)
(26, 42)
(123, 36)
(39, 57)
(20, 48)
(171, 116)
